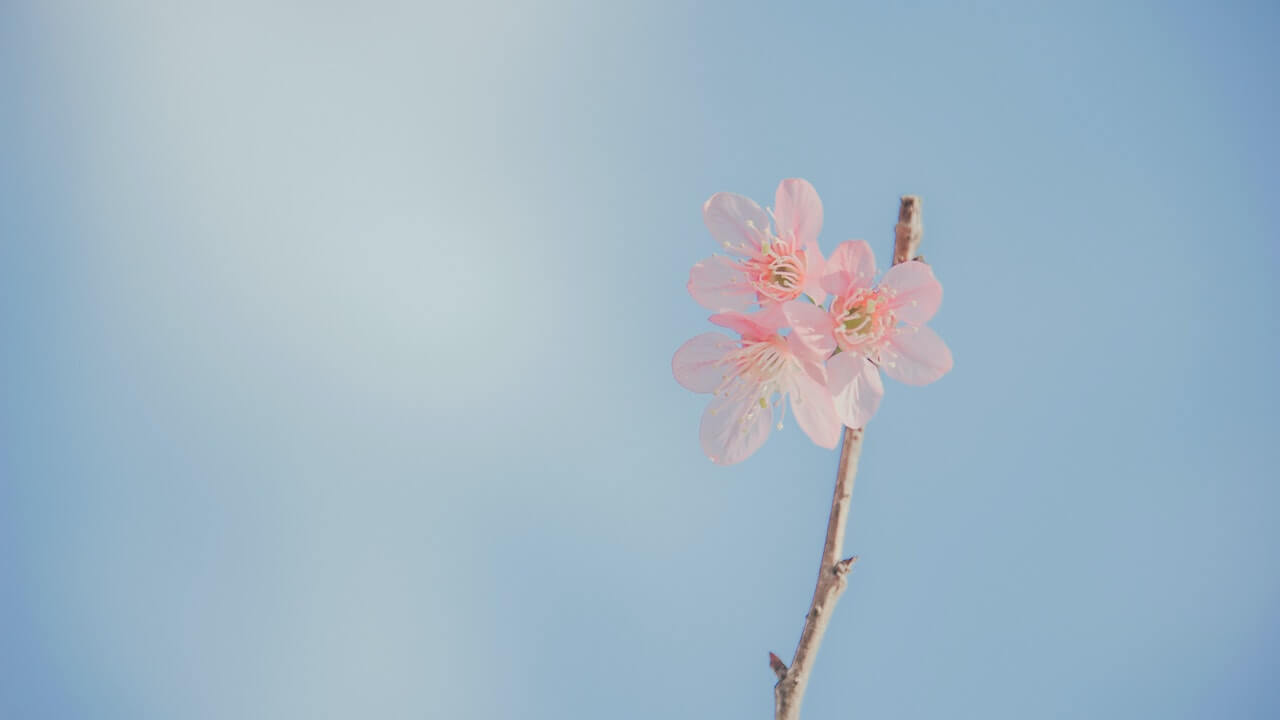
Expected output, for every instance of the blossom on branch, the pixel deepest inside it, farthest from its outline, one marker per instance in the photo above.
(768, 263)
(875, 327)
(823, 332)
(754, 375)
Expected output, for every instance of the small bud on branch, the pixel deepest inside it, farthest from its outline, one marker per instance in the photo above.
(779, 667)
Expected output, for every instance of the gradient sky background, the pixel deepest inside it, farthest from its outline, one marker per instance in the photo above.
(335, 345)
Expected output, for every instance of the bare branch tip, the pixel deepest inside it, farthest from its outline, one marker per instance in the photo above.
(909, 207)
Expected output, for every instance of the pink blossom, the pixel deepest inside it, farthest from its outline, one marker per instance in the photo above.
(751, 376)
(766, 265)
(876, 327)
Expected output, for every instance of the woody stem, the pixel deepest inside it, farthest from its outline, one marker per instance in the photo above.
(833, 572)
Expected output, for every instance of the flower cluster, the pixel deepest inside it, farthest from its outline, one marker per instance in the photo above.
(814, 333)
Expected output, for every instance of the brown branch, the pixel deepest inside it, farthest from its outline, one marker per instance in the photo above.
(833, 572)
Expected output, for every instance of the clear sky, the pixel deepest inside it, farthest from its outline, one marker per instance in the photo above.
(335, 344)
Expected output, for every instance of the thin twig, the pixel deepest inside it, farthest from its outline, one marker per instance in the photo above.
(833, 572)
(908, 231)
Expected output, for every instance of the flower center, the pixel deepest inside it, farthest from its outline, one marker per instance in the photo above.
(757, 362)
(751, 373)
(863, 320)
(779, 272)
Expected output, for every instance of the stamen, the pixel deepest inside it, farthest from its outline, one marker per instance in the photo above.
(864, 319)
(753, 373)
(778, 271)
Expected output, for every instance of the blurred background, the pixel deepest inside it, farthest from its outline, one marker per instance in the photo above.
(335, 344)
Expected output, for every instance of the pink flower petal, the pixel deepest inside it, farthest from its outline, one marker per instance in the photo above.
(816, 369)
(815, 413)
(696, 364)
(737, 223)
(917, 293)
(757, 326)
(740, 323)
(811, 329)
(915, 355)
(856, 388)
(770, 317)
(717, 283)
(733, 429)
(797, 210)
(815, 267)
(850, 268)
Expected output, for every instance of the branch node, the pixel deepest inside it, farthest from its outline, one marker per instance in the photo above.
(844, 566)
(779, 667)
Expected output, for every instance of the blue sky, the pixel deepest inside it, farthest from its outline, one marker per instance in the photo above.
(335, 344)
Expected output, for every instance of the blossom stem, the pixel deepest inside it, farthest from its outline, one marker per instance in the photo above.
(833, 572)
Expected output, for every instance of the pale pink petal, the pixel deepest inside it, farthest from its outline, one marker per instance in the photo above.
(915, 355)
(696, 364)
(850, 268)
(737, 223)
(717, 283)
(733, 429)
(770, 317)
(816, 369)
(797, 210)
(756, 327)
(815, 266)
(811, 329)
(740, 323)
(855, 387)
(815, 413)
(917, 293)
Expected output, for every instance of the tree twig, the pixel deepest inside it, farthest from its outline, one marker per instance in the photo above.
(908, 231)
(833, 572)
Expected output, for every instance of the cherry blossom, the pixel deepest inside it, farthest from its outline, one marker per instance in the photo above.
(755, 374)
(875, 327)
(767, 263)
